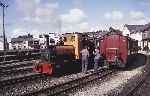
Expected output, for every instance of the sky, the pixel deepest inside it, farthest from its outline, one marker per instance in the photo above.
(45, 16)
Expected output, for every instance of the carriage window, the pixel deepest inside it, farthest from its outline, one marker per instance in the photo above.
(65, 39)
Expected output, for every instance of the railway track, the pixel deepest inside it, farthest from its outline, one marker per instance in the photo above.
(15, 65)
(15, 61)
(60, 88)
(12, 73)
(8, 62)
(16, 70)
(20, 78)
(142, 81)
(135, 89)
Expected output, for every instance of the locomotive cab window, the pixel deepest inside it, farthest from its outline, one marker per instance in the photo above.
(72, 38)
(65, 39)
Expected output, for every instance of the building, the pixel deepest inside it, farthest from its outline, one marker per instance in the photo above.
(34, 42)
(96, 35)
(135, 32)
(24, 42)
(47, 39)
(146, 37)
(55, 37)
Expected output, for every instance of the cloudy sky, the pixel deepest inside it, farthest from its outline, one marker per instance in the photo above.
(38, 16)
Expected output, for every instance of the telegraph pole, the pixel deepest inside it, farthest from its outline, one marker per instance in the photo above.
(4, 36)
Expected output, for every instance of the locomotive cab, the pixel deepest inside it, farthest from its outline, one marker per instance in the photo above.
(64, 57)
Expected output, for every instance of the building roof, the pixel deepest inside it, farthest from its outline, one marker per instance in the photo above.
(22, 38)
(135, 28)
(13, 40)
(96, 34)
(146, 27)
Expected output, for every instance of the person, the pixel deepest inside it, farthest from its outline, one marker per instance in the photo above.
(85, 55)
(96, 58)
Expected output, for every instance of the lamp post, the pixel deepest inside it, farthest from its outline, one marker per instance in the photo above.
(4, 36)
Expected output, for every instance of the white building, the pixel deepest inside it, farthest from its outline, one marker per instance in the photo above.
(146, 37)
(24, 42)
(135, 32)
(36, 41)
(53, 39)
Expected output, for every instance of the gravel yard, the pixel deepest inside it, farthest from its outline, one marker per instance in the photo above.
(36, 84)
(112, 86)
(116, 81)
(144, 90)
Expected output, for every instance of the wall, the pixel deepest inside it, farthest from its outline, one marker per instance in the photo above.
(136, 36)
(125, 31)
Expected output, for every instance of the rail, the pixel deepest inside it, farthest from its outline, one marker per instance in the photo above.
(18, 55)
(142, 81)
(20, 78)
(69, 85)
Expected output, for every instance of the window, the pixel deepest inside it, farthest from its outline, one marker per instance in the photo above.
(36, 42)
(65, 39)
(72, 38)
(24, 42)
(40, 36)
(52, 40)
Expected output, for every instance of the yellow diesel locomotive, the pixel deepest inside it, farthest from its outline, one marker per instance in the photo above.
(64, 57)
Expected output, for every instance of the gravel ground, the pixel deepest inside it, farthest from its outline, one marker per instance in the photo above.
(21, 88)
(114, 85)
(11, 75)
(37, 84)
(144, 90)
(95, 90)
